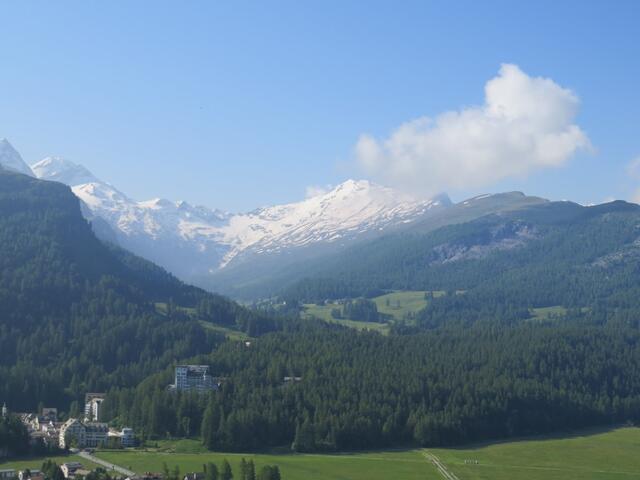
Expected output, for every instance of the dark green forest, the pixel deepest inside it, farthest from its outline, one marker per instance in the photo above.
(77, 315)
(365, 390)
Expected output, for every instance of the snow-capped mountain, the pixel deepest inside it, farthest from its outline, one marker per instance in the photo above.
(193, 241)
(348, 210)
(11, 159)
(60, 170)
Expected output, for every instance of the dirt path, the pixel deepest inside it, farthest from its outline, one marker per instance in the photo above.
(448, 475)
(107, 465)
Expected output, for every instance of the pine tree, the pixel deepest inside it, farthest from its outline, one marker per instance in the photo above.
(207, 429)
(212, 472)
(243, 469)
(225, 471)
(251, 471)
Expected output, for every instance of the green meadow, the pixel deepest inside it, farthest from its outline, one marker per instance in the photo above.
(406, 465)
(401, 304)
(604, 455)
(589, 455)
(397, 304)
(323, 312)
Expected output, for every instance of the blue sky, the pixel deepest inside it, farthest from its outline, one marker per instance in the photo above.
(235, 105)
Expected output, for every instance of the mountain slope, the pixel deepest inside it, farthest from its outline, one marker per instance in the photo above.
(550, 254)
(260, 276)
(11, 160)
(76, 315)
(195, 242)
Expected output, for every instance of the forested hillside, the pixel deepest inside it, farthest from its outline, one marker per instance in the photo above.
(77, 315)
(365, 390)
(551, 254)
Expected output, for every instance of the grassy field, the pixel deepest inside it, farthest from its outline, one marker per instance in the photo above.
(231, 334)
(396, 304)
(36, 462)
(591, 455)
(405, 465)
(323, 312)
(605, 455)
(545, 313)
(399, 304)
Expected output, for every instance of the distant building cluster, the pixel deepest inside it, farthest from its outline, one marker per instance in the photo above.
(194, 378)
(10, 474)
(70, 470)
(88, 432)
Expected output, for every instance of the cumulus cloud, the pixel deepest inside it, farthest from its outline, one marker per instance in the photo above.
(526, 123)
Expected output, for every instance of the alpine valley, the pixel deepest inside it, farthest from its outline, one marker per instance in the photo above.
(250, 255)
(375, 320)
(197, 243)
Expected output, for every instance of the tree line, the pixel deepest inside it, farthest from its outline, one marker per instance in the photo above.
(363, 390)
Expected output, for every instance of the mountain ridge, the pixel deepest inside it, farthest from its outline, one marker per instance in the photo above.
(194, 242)
(11, 159)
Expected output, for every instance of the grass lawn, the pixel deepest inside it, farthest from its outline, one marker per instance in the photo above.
(405, 465)
(36, 462)
(604, 455)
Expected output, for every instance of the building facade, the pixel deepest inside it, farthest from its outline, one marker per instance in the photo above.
(127, 438)
(90, 434)
(92, 405)
(193, 378)
(96, 434)
(72, 430)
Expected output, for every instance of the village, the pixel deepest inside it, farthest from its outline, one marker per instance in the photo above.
(89, 431)
(80, 436)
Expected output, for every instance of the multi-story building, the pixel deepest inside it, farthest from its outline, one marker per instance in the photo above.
(125, 437)
(95, 434)
(193, 378)
(72, 430)
(91, 434)
(92, 404)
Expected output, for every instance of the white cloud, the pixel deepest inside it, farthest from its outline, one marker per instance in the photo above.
(316, 190)
(526, 123)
